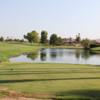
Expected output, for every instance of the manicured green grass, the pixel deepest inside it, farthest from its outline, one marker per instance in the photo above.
(12, 49)
(96, 49)
(55, 80)
(68, 47)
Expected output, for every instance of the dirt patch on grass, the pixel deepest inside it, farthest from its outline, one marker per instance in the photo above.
(18, 98)
(13, 95)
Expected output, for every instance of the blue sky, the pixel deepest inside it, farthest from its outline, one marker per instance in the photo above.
(63, 17)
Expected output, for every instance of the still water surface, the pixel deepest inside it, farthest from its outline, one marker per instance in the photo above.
(71, 56)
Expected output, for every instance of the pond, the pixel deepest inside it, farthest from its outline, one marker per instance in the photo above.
(71, 56)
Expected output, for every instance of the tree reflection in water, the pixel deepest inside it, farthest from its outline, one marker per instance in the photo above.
(86, 54)
(53, 53)
(43, 55)
(77, 53)
(33, 55)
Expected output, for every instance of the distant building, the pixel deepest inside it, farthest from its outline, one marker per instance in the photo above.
(97, 41)
(69, 41)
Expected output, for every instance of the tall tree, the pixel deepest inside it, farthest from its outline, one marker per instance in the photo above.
(32, 37)
(86, 43)
(1, 39)
(78, 38)
(59, 41)
(53, 39)
(44, 35)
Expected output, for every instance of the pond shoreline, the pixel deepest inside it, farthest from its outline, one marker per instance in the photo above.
(58, 55)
